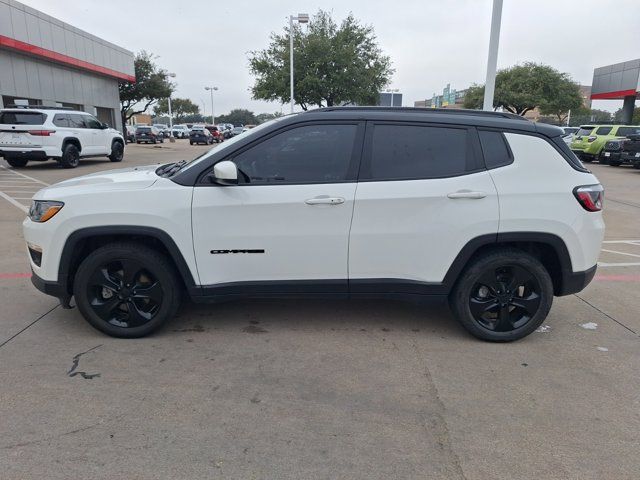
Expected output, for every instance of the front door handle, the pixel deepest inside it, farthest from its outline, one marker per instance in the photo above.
(467, 194)
(324, 200)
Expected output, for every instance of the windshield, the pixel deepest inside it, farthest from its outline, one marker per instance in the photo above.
(228, 143)
(144, 129)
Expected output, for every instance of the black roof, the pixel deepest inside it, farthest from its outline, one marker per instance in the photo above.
(477, 118)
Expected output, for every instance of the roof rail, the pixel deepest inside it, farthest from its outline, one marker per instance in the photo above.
(453, 111)
(38, 107)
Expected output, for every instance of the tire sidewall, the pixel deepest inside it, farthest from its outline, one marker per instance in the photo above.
(117, 152)
(70, 156)
(459, 299)
(156, 266)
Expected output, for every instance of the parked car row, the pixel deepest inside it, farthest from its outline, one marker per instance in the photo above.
(608, 144)
(157, 132)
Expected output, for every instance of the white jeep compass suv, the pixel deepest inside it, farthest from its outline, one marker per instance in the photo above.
(488, 209)
(64, 134)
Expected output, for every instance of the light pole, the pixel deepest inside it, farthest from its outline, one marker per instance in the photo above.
(300, 18)
(211, 89)
(492, 61)
(171, 139)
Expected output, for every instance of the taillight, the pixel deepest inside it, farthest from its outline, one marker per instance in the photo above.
(591, 139)
(590, 197)
(41, 133)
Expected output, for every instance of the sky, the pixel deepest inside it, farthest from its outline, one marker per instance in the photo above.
(430, 42)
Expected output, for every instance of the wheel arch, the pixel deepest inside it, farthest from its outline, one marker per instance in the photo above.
(84, 241)
(548, 248)
(71, 140)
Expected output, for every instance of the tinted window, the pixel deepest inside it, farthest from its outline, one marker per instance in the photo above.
(603, 130)
(92, 122)
(60, 120)
(405, 152)
(309, 154)
(584, 131)
(143, 130)
(624, 131)
(22, 118)
(76, 121)
(495, 149)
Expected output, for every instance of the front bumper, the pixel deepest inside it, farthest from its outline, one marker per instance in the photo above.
(55, 289)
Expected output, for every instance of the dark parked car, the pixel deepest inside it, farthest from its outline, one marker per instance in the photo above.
(623, 150)
(199, 134)
(148, 135)
(216, 133)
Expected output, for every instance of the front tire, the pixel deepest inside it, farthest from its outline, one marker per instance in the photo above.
(127, 290)
(503, 295)
(117, 152)
(17, 162)
(70, 156)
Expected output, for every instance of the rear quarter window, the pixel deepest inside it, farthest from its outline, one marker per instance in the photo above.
(22, 118)
(495, 149)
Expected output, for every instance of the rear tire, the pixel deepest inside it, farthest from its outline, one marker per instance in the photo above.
(70, 156)
(117, 152)
(502, 295)
(17, 162)
(127, 290)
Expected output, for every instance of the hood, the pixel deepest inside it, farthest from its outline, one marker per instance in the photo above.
(121, 179)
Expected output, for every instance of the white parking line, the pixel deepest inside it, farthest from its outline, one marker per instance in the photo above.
(631, 264)
(620, 253)
(15, 186)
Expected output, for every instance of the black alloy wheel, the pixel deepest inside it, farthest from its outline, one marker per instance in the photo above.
(505, 298)
(124, 294)
(127, 289)
(502, 295)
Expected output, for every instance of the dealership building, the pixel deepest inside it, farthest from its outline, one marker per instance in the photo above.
(44, 61)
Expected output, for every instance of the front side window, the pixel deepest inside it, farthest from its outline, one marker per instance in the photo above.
(625, 131)
(76, 120)
(603, 130)
(409, 152)
(92, 122)
(307, 154)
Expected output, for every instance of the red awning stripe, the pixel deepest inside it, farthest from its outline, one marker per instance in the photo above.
(60, 58)
(613, 95)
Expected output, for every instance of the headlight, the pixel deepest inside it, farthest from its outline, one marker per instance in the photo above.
(43, 210)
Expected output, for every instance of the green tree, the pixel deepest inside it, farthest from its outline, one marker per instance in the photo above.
(635, 119)
(238, 116)
(522, 88)
(333, 64)
(265, 117)
(152, 83)
(180, 108)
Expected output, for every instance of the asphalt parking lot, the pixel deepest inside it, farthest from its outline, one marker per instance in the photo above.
(312, 389)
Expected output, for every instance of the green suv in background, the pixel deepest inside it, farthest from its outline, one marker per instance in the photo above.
(589, 141)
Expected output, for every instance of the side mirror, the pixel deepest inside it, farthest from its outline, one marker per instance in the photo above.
(105, 126)
(225, 173)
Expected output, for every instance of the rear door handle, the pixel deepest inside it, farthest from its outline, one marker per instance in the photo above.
(467, 194)
(324, 200)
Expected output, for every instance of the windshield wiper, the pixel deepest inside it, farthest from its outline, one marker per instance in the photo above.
(171, 168)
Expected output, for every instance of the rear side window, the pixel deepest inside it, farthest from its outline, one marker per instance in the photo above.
(495, 149)
(603, 130)
(61, 120)
(409, 152)
(22, 118)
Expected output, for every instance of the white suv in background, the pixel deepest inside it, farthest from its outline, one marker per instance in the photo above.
(485, 208)
(65, 135)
